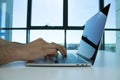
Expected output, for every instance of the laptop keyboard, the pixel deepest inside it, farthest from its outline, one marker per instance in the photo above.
(69, 59)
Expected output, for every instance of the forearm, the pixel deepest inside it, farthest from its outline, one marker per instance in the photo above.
(10, 51)
(13, 51)
(8, 54)
(7, 43)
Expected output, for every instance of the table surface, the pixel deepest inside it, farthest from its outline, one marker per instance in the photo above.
(106, 67)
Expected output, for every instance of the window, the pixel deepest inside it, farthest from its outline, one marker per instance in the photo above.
(110, 41)
(78, 13)
(58, 21)
(19, 14)
(48, 35)
(2, 19)
(110, 23)
(47, 13)
(73, 39)
(5, 19)
(19, 36)
(112, 31)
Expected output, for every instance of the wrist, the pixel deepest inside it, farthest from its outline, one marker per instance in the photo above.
(21, 53)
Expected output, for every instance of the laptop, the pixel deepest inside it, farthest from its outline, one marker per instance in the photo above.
(87, 49)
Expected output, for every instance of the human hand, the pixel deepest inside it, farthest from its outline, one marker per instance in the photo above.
(40, 48)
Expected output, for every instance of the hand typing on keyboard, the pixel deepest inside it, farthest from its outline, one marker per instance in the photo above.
(55, 59)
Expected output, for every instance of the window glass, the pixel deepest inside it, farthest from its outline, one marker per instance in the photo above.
(47, 13)
(2, 19)
(79, 11)
(5, 19)
(110, 40)
(19, 13)
(19, 36)
(110, 23)
(48, 35)
(3, 15)
(73, 39)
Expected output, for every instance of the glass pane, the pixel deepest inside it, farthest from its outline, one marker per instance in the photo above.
(47, 13)
(111, 16)
(110, 40)
(79, 11)
(118, 42)
(73, 39)
(3, 37)
(3, 15)
(19, 36)
(19, 13)
(2, 19)
(48, 35)
(117, 14)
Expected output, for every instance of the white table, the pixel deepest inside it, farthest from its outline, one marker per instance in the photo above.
(106, 67)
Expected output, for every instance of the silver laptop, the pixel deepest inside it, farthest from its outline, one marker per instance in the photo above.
(88, 47)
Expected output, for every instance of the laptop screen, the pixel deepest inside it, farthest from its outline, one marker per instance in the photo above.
(92, 34)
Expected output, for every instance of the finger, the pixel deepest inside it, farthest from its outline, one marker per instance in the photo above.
(57, 47)
(51, 52)
(60, 48)
(52, 55)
